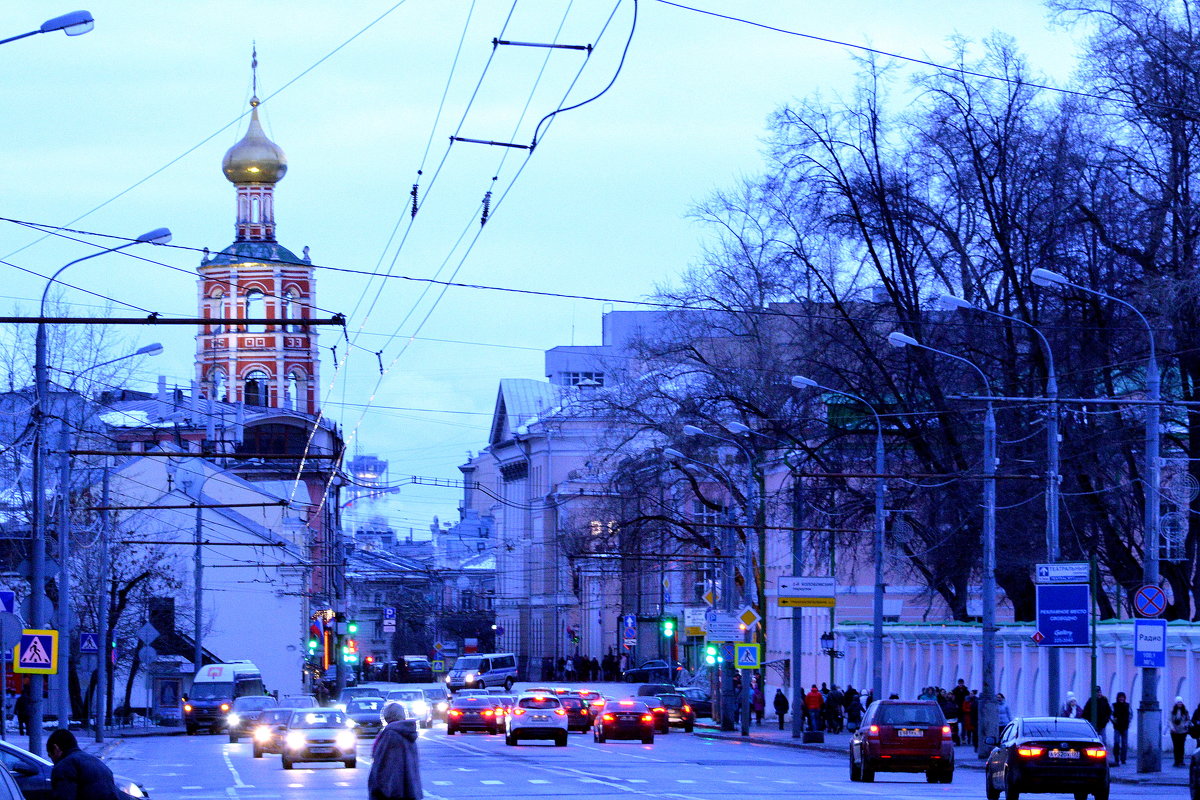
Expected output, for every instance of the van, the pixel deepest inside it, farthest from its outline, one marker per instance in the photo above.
(213, 691)
(479, 671)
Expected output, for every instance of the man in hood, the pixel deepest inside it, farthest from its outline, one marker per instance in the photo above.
(395, 770)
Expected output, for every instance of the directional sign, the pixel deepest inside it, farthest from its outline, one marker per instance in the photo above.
(1149, 601)
(37, 652)
(1063, 612)
(1150, 643)
(693, 621)
(806, 586)
(8, 602)
(89, 644)
(746, 656)
(723, 628)
(1063, 572)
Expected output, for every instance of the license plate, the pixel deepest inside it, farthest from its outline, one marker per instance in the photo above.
(910, 733)
(321, 749)
(539, 718)
(1064, 754)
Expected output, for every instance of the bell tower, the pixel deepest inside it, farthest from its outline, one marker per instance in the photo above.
(271, 364)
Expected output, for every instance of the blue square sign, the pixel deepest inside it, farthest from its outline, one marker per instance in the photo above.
(1064, 614)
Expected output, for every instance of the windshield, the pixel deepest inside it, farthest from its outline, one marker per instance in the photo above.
(274, 717)
(909, 714)
(538, 702)
(409, 696)
(370, 704)
(319, 719)
(467, 662)
(1056, 728)
(253, 703)
(212, 691)
(671, 700)
(435, 694)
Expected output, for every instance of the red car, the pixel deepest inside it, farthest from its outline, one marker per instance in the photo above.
(901, 736)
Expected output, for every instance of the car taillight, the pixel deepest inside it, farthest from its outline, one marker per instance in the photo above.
(487, 712)
(187, 709)
(873, 730)
(647, 718)
(946, 734)
(1096, 752)
(454, 712)
(687, 709)
(518, 712)
(560, 712)
(1030, 752)
(659, 710)
(608, 718)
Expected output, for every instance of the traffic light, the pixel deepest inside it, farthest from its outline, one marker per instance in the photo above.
(312, 645)
(712, 655)
(351, 627)
(668, 627)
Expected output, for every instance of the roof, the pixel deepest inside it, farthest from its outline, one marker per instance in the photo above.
(519, 402)
(262, 252)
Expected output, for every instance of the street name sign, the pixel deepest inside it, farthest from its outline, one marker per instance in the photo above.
(1063, 572)
(723, 627)
(37, 652)
(799, 591)
(747, 656)
(1150, 643)
(1063, 614)
(693, 621)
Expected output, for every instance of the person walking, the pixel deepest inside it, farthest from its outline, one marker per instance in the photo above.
(1179, 723)
(1003, 712)
(1071, 708)
(951, 711)
(23, 710)
(781, 706)
(395, 770)
(854, 709)
(970, 718)
(1121, 715)
(813, 702)
(77, 775)
(758, 704)
(1103, 712)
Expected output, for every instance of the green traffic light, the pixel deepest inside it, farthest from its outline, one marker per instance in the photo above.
(352, 627)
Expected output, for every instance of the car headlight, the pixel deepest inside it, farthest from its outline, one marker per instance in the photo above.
(262, 734)
(234, 719)
(351, 723)
(344, 740)
(469, 677)
(129, 787)
(421, 708)
(296, 740)
(443, 707)
(447, 679)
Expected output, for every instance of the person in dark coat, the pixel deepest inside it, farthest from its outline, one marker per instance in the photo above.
(781, 706)
(395, 770)
(23, 710)
(1121, 715)
(1103, 714)
(77, 775)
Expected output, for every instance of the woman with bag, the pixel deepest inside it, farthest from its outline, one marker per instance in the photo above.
(1179, 724)
(395, 770)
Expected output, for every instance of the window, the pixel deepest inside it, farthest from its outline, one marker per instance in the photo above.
(217, 311)
(255, 392)
(585, 379)
(295, 392)
(255, 309)
(289, 308)
(703, 515)
(216, 384)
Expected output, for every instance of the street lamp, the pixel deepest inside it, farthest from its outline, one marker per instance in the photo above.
(801, 382)
(987, 703)
(1149, 710)
(76, 23)
(37, 595)
(952, 302)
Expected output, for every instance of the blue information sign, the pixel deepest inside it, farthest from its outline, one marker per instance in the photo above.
(1150, 643)
(1063, 612)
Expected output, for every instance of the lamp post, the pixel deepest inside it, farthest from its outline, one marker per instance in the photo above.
(987, 703)
(37, 595)
(1053, 661)
(75, 23)
(801, 382)
(1149, 748)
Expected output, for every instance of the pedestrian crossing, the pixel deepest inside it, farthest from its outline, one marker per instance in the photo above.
(517, 782)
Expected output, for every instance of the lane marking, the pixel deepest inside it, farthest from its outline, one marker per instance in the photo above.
(237, 779)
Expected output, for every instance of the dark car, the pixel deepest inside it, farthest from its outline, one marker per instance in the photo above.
(662, 722)
(473, 713)
(438, 698)
(655, 671)
(679, 711)
(271, 728)
(1048, 754)
(699, 699)
(579, 713)
(1194, 776)
(366, 713)
(32, 775)
(623, 719)
(243, 716)
(902, 736)
(416, 669)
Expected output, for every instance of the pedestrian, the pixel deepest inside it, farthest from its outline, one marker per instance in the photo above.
(970, 718)
(395, 770)
(1003, 712)
(1103, 713)
(950, 710)
(813, 702)
(1071, 707)
(1121, 715)
(561, 672)
(77, 775)
(569, 669)
(835, 703)
(22, 708)
(960, 692)
(854, 709)
(781, 706)
(547, 668)
(758, 703)
(1179, 723)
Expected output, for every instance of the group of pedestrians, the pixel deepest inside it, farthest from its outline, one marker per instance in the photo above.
(581, 668)
(1117, 713)
(828, 708)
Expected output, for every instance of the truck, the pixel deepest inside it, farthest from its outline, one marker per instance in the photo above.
(213, 691)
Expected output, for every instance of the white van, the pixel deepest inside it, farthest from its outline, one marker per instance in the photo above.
(479, 671)
(213, 691)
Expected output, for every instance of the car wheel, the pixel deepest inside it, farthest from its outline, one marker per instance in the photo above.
(449, 731)
(427, 724)
(561, 740)
(854, 776)
(1011, 792)
(287, 762)
(508, 684)
(233, 738)
(1101, 792)
(191, 730)
(866, 772)
(992, 792)
(600, 738)
(931, 776)
(648, 739)
(257, 751)
(947, 776)
(351, 763)
(690, 727)
(510, 740)
(481, 685)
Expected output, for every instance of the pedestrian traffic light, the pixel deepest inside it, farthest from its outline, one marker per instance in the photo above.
(668, 627)
(712, 655)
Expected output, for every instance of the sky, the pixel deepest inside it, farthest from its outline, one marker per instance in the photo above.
(122, 130)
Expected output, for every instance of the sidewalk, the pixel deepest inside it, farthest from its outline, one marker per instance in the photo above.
(839, 744)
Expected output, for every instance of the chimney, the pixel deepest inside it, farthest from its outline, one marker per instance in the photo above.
(162, 389)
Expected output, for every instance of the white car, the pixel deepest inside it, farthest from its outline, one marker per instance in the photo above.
(319, 734)
(416, 705)
(537, 716)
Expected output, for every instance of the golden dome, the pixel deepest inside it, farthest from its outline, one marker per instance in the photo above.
(255, 159)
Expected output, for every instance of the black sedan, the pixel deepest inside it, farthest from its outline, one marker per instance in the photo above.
(662, 721)
(367, 715)
(699, 699)
(624, 719)
(473, 713)
(679, 711)
(658, 671)
(579, 713)
(242, 718)
(1048, 754)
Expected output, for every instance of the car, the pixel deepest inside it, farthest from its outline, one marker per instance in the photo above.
(502, 702)
(30, 776)
(416, 669)
(1047, 754)
(579, 713)
(699, 699)
(9, 790)
(298, 701)
(1194, 776)
(416, 707)
(319, 734)
(662, 722)
(537, 716)
(473, 713)
(679, 711)
(481, 670)
(660, 671)
(366, 714)
(902, 736)
(243, 716)
(270, 730)
(655, 689)
(623, 719)
(439, 701)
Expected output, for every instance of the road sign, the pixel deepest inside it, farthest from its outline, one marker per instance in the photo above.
(748, 617)
(1149, 601)
(148, 633)
(806, 586)
(389, 613)
(723, 628)
(10, 630)
(709, 597)
(727, 652)
(806, 602)
(89, 644)
(389, 626)
(439, 646)
(1063, 572)
(438, 665)
(37, 652)
(693, 621)
(499, 630)
(1063, 613)
(1150, 643)
(8, 602)
(1037, 637)
(629, 630)
(147, 655)
(746, 656)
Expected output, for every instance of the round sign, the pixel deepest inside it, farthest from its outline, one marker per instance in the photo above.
(499, 630)
(1149, 601)
(10, 630)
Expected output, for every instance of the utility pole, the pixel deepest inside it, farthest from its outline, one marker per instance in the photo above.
(749, 593)
(728, 693)
(102, 655)
(62, 678)
(797, 704)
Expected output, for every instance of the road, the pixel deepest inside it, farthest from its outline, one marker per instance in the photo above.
(477, 766)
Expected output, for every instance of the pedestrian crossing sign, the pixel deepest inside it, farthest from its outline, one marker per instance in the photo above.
(37, 653)
(746, 656)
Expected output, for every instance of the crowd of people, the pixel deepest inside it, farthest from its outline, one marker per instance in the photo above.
(581, 668)
(828, 708)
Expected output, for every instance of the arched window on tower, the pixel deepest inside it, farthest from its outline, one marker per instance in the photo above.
(255, 209)
(217, 311)
(289, 309)
(297, 391)
(217, 384)
(255, 391)
(256, 308)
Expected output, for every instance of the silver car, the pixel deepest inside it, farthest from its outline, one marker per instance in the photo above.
(319, 734)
